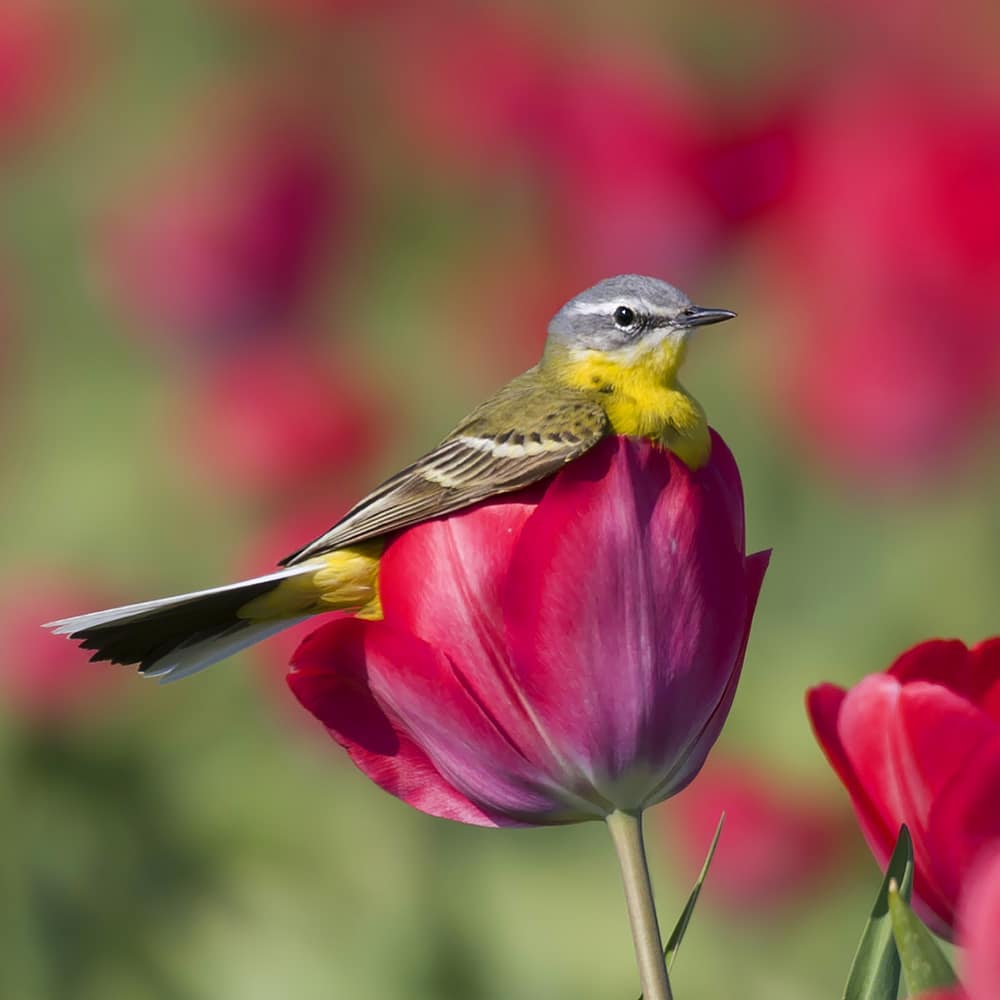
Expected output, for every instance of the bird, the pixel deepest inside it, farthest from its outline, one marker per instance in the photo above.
(610, 365)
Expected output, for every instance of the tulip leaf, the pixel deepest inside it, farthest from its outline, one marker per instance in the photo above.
(677, 935)
(924, 964)
(670, 952)
(875, 972)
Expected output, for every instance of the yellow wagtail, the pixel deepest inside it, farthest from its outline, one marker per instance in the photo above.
(609, 366)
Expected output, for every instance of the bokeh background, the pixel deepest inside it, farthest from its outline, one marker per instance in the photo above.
(256, 253)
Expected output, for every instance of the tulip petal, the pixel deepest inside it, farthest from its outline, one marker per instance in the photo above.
(979, 918)
(626, 603)
(692, 761)
(331, 684)
(447, 753)
(937, 660)
(441, 581)
(973, 673)
(824, 703)
(726, 474)
(965, 817)
(986, 667)
(905, 743)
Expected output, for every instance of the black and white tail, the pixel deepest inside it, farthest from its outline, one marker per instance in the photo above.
(175, 637)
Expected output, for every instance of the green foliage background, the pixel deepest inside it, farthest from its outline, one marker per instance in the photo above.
(199, 840)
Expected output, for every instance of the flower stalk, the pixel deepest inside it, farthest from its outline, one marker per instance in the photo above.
(626, 834)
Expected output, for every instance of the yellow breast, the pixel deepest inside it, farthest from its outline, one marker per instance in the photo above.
(642, 398)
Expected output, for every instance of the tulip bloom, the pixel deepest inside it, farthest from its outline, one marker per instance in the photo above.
(554, 655)
(920, 745)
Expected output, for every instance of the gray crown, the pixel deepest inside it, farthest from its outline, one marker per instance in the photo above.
(597, 318)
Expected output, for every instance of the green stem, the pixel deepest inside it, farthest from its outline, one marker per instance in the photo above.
(626, 832)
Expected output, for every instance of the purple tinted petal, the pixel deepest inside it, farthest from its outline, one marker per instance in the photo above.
(723, 476)
(329, 679)
(441, 582)
(424, 699)
(626, 604)
(694, 757)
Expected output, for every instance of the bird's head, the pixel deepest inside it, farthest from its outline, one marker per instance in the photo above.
(629, 320)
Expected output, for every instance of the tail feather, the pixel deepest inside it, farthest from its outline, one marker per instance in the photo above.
(192, 656)
(177, 636)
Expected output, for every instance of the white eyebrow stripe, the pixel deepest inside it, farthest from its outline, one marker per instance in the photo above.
(607, 308)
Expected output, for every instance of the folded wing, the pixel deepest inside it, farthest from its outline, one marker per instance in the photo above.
(524, 434)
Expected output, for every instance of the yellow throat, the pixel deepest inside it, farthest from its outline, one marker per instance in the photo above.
(639, 391)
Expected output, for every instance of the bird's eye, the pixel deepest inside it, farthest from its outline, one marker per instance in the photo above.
(624, 316)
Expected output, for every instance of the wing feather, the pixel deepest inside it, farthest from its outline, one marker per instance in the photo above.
(509, 443)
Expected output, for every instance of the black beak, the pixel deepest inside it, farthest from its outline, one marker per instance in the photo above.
(700, 316)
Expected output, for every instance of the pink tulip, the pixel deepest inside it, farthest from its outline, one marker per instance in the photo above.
(551, 656)
(920, 745)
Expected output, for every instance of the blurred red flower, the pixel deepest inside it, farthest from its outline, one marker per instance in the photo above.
(618, 145)
(44, 679)
(749, 162)
(887, 265)
(464, 80)
(778, 843)
(920, 744)
(609, 146)
(222, 243)
(553, 655)
(279, 418)
(41, 55)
